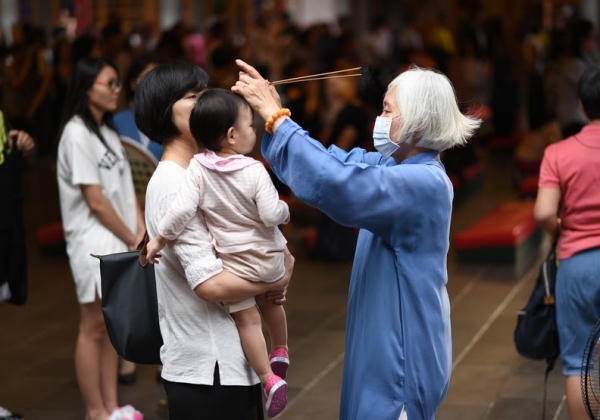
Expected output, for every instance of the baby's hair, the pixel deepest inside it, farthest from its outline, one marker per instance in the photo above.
(215, 112)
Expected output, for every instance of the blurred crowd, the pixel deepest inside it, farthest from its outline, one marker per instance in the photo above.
(519, 76)
(508, 66)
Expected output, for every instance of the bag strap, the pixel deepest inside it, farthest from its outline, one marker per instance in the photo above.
(549, 300)
(549, 367)
(141, 247)
(143, 250)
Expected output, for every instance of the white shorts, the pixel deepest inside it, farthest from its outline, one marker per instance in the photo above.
(255, 265)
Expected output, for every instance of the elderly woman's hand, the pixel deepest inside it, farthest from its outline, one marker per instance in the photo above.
(260, 94)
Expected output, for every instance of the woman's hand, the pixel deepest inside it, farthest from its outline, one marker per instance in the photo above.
(260, 94)
(279, 290)
(277, 296)
(22, 141)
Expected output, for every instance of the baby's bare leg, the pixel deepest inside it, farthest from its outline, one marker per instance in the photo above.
(249, 326)
(275, 320)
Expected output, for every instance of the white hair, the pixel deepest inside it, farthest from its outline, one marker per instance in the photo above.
(427, 105)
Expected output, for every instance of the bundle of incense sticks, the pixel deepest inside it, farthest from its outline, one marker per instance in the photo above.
(353, 72)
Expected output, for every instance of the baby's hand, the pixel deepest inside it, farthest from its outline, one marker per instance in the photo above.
(153, 247)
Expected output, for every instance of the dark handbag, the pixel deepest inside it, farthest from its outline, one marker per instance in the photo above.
(130, 306)
(536, 334)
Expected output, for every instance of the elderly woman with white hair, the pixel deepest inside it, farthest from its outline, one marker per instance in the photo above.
(398, 343)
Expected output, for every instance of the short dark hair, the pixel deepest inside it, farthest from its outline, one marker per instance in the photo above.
(589, 92)
(156, 93)
(214, 113)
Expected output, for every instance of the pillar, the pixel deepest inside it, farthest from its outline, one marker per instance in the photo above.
(170, 13)
(9, 15)
(589, 9)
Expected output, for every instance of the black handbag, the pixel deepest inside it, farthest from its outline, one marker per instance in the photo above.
(536, 334)
(130, 305)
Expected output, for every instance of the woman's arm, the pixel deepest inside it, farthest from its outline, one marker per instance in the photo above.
(545, 211)
(141, 223)
(227, 287)
(548, 197)
(333, 181)
(104, 211)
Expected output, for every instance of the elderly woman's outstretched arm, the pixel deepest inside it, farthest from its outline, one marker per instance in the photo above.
(355, 189)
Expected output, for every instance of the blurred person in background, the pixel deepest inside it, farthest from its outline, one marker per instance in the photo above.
(573, 51)
(568, 207)
(15, 145)
(100, 215)
(124, 122)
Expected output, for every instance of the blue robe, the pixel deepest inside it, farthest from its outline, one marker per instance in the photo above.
(398, 341)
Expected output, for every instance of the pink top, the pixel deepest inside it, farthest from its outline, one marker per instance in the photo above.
(573, 166)
(241, 206)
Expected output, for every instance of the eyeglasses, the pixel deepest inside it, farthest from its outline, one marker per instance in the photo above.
(114, 85)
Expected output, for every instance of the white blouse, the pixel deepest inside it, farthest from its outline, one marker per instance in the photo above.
(196, 334)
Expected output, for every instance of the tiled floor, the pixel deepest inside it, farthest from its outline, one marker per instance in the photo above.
(490, 381)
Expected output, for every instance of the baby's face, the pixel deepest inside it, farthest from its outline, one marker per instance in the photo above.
(245, 134)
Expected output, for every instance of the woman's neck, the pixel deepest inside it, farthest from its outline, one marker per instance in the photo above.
(97, 114)
(180, 151)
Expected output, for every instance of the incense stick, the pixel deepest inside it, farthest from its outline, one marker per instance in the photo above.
(283, 82)
(320, 76)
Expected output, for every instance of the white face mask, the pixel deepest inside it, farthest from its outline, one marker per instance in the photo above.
(381, 136)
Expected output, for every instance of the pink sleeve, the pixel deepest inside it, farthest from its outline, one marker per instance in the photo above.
(185, 205)
(271, 209)
(549, 177)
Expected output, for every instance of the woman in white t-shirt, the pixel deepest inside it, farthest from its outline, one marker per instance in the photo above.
(205, 372)
(100, 215)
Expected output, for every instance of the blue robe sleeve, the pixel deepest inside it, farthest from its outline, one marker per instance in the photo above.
(358, 188)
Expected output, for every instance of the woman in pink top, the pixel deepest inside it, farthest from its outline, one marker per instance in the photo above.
(242, 210)
(568, 205)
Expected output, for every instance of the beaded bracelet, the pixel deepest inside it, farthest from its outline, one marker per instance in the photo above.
(279, 113)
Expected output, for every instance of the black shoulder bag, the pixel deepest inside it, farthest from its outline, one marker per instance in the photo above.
(536, 334)
(130, 305)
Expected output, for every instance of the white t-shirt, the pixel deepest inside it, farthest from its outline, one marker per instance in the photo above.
(84, 160)
(196, 334)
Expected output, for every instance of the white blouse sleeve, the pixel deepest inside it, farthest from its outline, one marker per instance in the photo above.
(78, 144)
